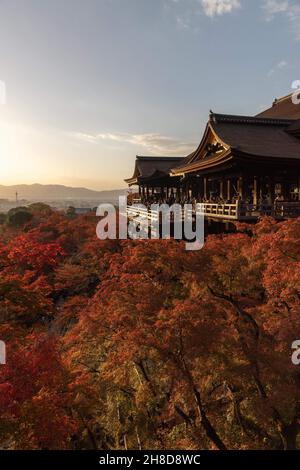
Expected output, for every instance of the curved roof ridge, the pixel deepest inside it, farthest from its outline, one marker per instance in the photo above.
(156, 158)
(235, 118)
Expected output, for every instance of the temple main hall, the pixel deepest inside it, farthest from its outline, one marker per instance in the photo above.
(245, 167)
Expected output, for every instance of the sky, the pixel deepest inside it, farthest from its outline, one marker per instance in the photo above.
(85, 85)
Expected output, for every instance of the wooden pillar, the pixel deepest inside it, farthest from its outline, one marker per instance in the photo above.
(205, 188)
(229, 191)
(272, 189)
(200, 189)
(284, 190)
(222, 189)
(240, 187)
(256, 190)
(183, 190)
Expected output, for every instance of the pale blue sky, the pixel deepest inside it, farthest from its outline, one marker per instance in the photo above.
(92, 83)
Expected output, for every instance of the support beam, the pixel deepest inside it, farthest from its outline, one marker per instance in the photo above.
(229, 190)
(272, 188)
(240, 187)
(205, 188)
(222, 189)
(285, 190)
(256, 190)
(200, 189)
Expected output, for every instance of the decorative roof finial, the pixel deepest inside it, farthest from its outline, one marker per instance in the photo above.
(212, 116)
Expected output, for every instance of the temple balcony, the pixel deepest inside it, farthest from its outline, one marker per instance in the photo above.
(244, 211)
(238, 211)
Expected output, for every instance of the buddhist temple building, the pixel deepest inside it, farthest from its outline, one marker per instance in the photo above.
(153, 177)
(244, 167)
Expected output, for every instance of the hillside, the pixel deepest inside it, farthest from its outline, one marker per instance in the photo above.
(52, 192)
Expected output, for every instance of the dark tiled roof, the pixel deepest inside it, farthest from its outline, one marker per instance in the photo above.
(262, 137)
(258, 136)
(282, 108)
(150, 167)
(274, 133)
(185, 160)
(294, 128)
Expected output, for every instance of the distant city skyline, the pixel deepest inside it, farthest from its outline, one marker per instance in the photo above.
(88, 85)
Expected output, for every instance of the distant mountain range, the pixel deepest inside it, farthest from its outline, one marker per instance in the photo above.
(55, 192)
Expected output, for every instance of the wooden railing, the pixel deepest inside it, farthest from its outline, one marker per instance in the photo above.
(244, 211)
(147, 214)
(287, 209)
(134, 211)
(220, 211)
(236, 211)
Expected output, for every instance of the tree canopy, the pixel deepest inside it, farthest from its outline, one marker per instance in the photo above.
(143, 345)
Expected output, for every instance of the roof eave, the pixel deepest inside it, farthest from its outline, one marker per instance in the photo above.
(206, 163)
(270, 159)
(131, 181)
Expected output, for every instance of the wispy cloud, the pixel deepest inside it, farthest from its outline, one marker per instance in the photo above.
(294, 18)
(281, 65)
(288, 8)
(219, 7)
(186, 12)
(155, 144)
(272, 7)
(183, 22)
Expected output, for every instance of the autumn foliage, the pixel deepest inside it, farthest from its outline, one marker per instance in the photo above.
(141, 344)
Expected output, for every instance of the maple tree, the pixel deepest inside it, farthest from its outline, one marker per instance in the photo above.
(35, 399)
(139, 344)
